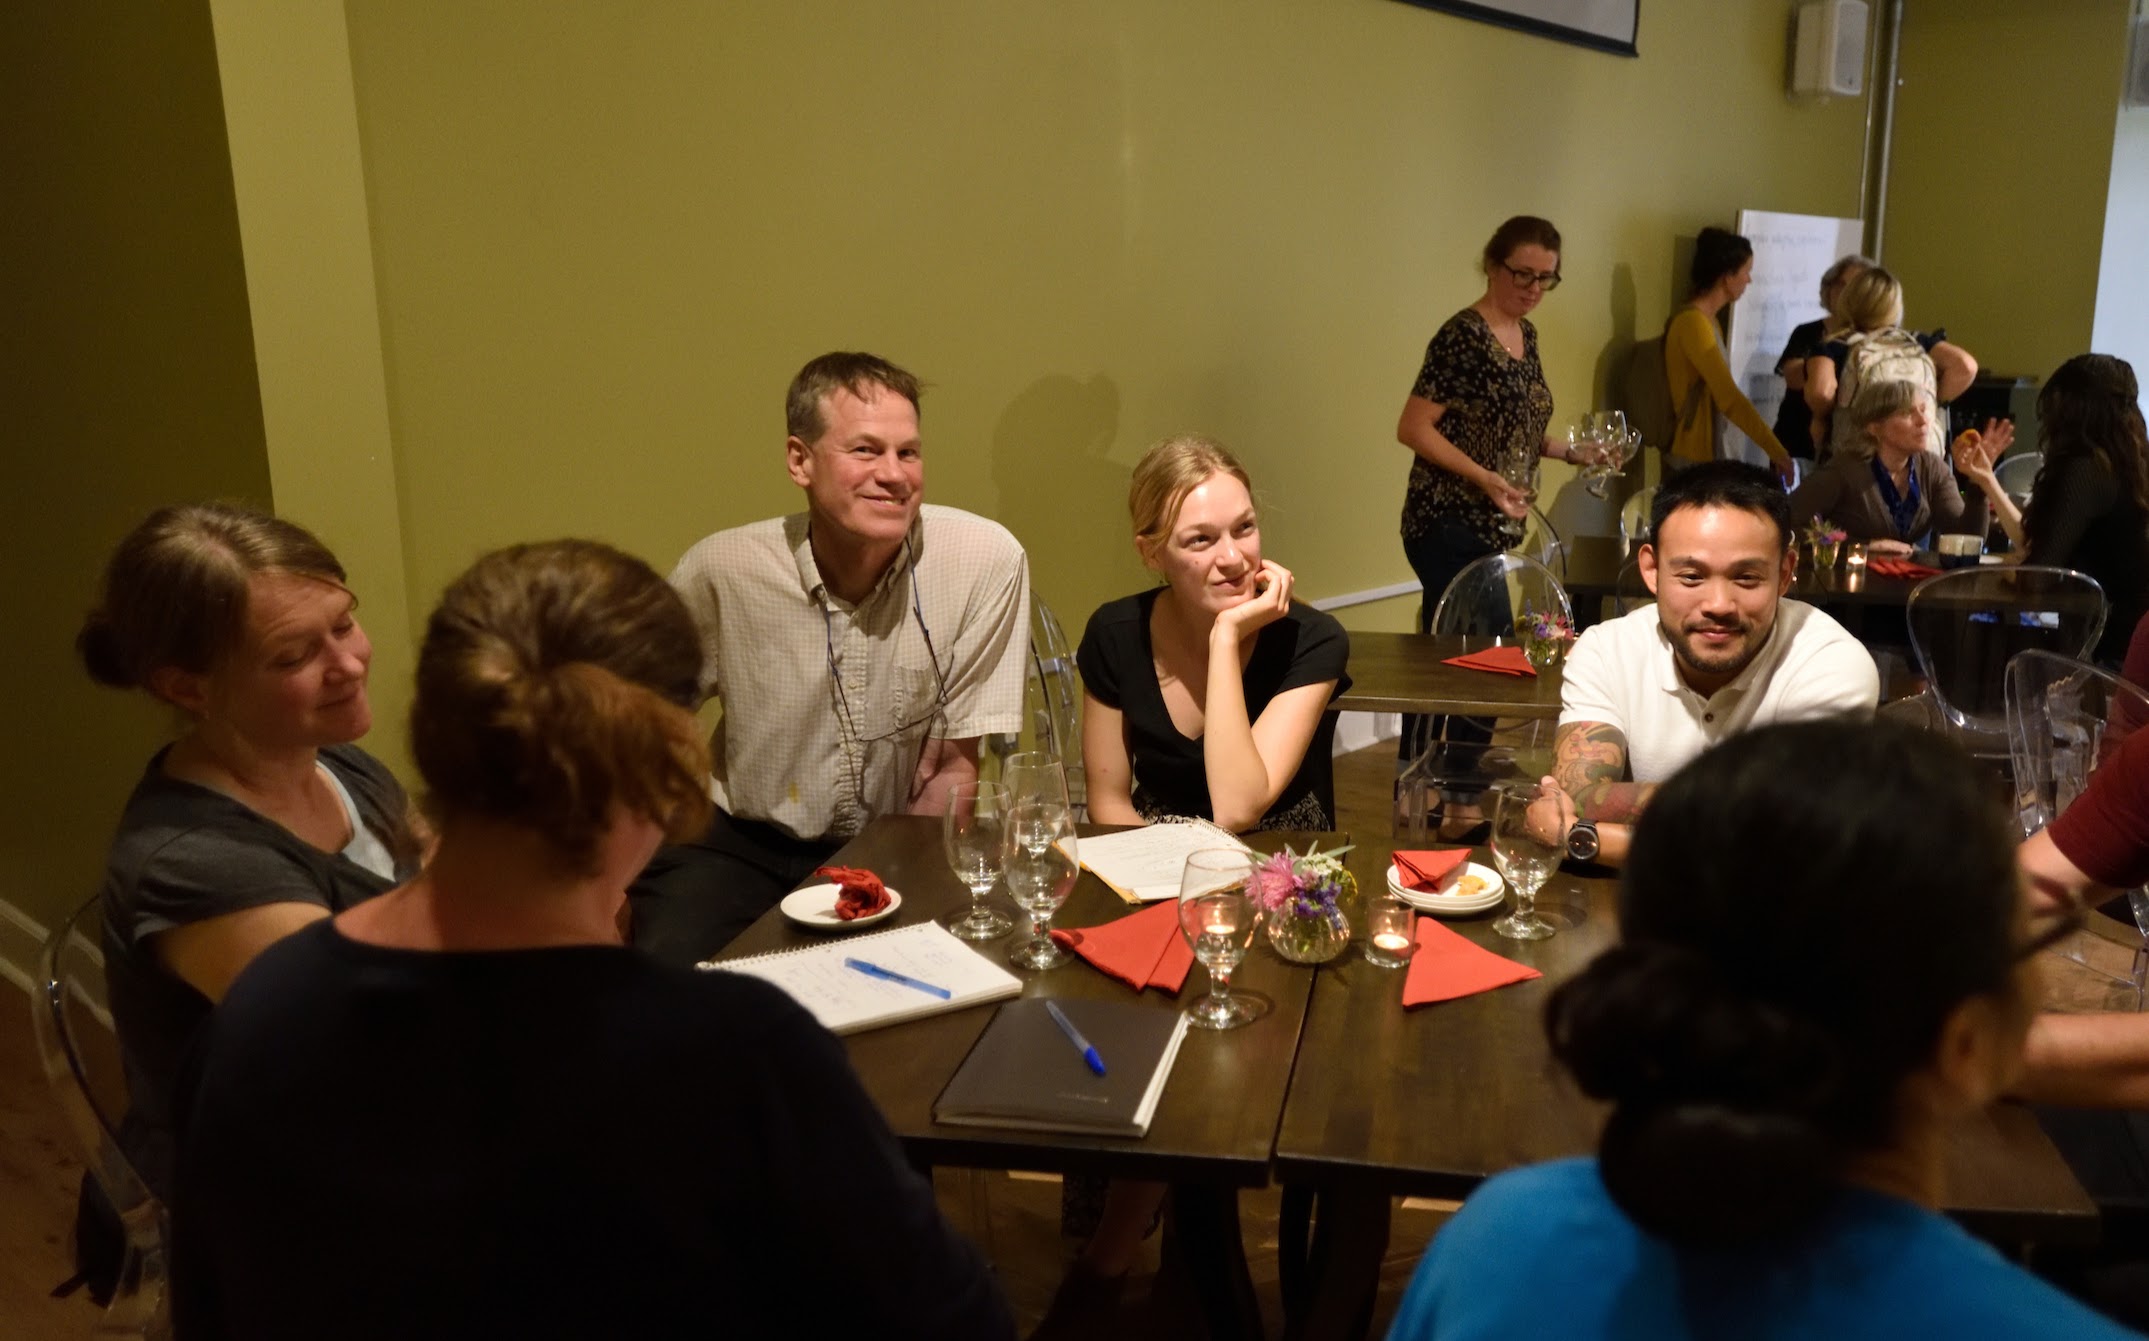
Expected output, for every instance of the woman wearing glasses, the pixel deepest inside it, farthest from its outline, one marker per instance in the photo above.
(1784, 1041)
(1703, 391)
(1477, 414)
(464, 1108)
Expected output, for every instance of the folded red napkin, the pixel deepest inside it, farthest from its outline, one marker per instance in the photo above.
(1142, 949)
(1425, 870)
(1448, 965)
(1900, 568)
(1506, 660)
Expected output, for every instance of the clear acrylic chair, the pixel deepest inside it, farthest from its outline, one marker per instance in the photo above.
(1487, 601)
(1634, 518)
(1966, 625)
(1052, 698)
(2065, 720)
(2017, 474)
(80, 1055)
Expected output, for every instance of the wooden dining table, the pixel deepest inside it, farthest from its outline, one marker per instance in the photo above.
(1337, 1089)
(1215, 1127)
(1407, 672)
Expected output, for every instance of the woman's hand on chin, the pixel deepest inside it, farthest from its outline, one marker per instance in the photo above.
(1270, 598)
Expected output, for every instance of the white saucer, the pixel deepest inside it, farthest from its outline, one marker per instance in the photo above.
(814, 907)
(1449, 905)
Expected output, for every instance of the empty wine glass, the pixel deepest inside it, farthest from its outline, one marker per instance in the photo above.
(1526, 851)
(974, 833)
(1034, 775)
(1520, 470)
(1040, 865)
(1217, 915)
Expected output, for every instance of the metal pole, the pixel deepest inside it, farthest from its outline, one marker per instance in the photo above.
(1877, 222)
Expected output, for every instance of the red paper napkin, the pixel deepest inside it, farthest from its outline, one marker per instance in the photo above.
(1425, 870)
(1142, 949)
(1448, 965)
(1900, 568)
(1503, 660)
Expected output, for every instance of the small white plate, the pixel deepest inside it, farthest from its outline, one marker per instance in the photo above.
(1449, 905)
(815, 907)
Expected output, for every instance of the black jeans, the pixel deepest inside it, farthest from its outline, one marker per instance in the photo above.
(694, 897)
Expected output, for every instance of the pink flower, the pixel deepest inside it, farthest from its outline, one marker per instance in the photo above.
(1274, 882)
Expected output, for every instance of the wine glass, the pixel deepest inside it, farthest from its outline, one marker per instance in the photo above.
(1525, 855)
(1217, 915)
(1040, 865)
(973, 831)
(1034, 775)
(1520, 470)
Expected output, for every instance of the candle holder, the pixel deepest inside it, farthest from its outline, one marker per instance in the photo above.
(1389, 926)
(1854, 557)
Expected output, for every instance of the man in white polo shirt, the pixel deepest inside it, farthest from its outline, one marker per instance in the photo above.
(1719, 652)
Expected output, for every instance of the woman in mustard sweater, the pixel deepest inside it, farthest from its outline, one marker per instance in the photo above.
(1703, 390)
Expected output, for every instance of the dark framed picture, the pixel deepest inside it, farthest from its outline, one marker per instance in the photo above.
(1604, 25)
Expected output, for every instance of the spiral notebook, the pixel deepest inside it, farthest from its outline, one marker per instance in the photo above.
(847, 1000)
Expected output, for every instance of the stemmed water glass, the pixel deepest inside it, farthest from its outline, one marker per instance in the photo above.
(1040, 865)
(1034, 775)
(1217, 915)
(1525, 855)
(974, 833)
(1520, 470)
(1605, 445)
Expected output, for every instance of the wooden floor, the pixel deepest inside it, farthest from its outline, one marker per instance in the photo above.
(1016, 1219)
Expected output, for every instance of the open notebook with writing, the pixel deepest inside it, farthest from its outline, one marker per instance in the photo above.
(847, 1001)
(1024, 1072)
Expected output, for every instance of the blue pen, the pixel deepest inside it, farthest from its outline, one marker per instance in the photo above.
(1074, 1036)
(876, 971)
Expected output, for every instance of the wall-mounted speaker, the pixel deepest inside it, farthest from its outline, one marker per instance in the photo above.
(1828, 48)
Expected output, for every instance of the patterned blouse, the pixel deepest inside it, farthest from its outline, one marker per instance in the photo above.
(1497, 410)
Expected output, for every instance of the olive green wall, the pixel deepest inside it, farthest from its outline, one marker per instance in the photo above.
(2003, 149)
(127, 373)
(606, 235)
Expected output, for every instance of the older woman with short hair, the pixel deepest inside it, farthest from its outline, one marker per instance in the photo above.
(1887, 489)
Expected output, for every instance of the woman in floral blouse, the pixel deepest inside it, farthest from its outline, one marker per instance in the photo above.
(1478, 409)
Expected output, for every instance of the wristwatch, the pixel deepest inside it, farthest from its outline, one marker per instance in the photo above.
(1582, 841)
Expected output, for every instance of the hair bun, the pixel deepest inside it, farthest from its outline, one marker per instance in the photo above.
(98, 645)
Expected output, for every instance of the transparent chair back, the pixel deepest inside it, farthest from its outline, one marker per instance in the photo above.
(80, 1056)
(1052, 698)
(2018, 474)
(1965, 626)
(2065, 720)
(1634, 518)
(1486, 601)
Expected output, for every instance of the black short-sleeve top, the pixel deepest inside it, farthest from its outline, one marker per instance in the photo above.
(185, 853)
(1306, 646)
(1497, 409)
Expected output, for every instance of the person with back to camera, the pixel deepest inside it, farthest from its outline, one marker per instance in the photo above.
(1887, 489)
(1209, 696)
(1807, 992)
(1704, 392)
(263, 816)
(465, 1109)
(1794, 418)
(2089, 505)
(1866, 344)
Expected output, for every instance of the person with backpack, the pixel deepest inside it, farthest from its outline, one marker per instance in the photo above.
(1704, 393)
(1794, 420)
(1867, 345)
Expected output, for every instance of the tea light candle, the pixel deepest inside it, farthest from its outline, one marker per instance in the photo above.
(1854, 558)
(1394, 942)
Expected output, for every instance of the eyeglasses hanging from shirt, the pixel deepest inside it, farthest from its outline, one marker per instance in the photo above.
(855, 742)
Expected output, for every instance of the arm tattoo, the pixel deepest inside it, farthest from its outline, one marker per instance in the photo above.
(1590, 762)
